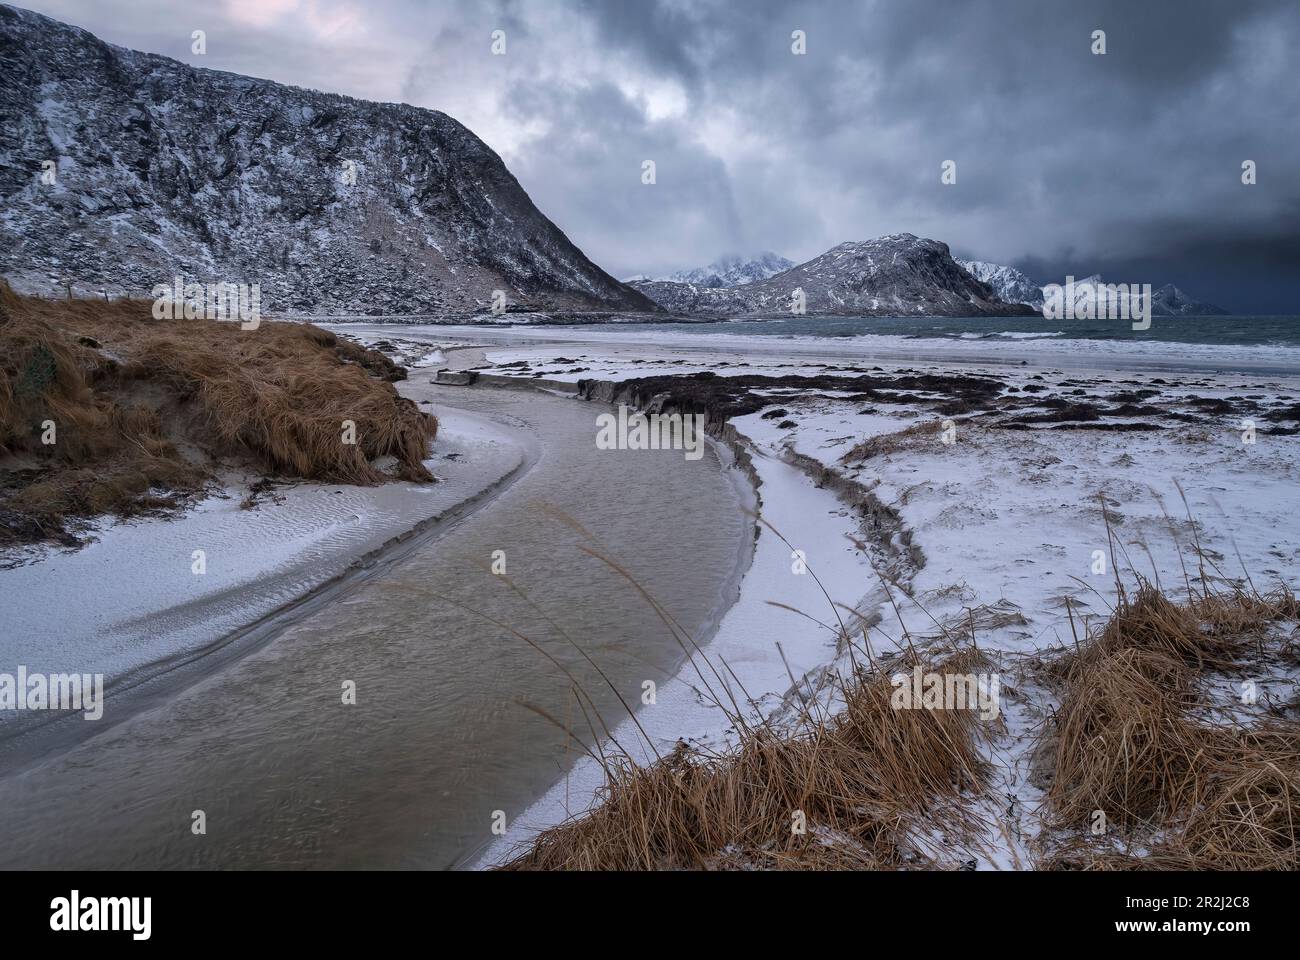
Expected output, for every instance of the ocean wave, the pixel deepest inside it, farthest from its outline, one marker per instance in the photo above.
(1042, 349)
(1010, 335)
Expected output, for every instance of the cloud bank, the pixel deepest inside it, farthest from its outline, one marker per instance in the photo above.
(1127, 163)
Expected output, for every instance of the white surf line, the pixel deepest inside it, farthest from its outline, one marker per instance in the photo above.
(1115, 356)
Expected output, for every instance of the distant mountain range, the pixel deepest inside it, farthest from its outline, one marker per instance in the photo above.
(734, 271)
(728, 271)
(897, 275)
(1169, 301)
(330, 204)
(1013, 286)
(122, 170)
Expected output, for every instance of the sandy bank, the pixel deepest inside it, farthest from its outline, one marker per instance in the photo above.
(133, 603)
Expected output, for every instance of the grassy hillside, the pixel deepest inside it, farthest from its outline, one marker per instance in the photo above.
(105, 410)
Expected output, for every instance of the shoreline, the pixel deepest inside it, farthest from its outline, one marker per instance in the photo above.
(961, 508)
(252, 621)
(781, 494)
(701, 349)
(746, 489)
(197, 738)
(1015, 611)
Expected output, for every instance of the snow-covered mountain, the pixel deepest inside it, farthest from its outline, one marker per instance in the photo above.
(1169, 301)
(898, 275)
(733, 271)
(332, 205)
(692, 299)
(1007, 282)
(1014, 287)
(1166, 301)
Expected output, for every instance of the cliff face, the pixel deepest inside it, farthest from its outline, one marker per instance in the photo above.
(332, 205)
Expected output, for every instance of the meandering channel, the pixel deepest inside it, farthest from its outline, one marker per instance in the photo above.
(448, 725)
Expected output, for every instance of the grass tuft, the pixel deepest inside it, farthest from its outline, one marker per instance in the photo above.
(863, 778)
(143, 409)
(1176, 791)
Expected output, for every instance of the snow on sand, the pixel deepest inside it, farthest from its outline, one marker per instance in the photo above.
(133, 598)
(1008, 521)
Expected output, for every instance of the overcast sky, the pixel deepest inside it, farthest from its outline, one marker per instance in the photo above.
(1128, 163)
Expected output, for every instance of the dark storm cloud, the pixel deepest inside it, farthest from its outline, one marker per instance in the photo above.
(1066, 160)
(594, 175)
(1127, 163)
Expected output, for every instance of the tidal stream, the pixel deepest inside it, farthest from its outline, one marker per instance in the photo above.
(450, 723)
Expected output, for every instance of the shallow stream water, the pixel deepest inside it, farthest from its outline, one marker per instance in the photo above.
(449, 724)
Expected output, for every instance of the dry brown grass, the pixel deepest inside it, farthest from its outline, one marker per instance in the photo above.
(143, 408)
(886, 443)
(1176, 791)
(1134, 737)
(863, 778)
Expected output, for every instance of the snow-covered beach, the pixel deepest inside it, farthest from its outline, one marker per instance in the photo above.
(147, 597)
(409, 769)
(994, 509)
(664, 437)
(923, 492)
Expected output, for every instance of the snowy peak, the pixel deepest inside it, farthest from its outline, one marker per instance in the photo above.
(1166, 301)
(1169, 301)
(900, 274)
(331, 205)
(733, 271)
(1007, 282)
(896, 275)
(1014, 287)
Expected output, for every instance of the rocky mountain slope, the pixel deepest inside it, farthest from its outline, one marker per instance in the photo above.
(690, 299)
(897, 275)
(1007, 282)
(1169, 301)
(332, 205)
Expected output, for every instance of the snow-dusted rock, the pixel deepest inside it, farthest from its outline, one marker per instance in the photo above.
(332, 205)
(1007, 282)
(897, 275)
(1169, 301)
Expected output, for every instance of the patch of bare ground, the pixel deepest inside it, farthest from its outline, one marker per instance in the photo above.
(724, 397)
(886, 443)
(105, 410)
